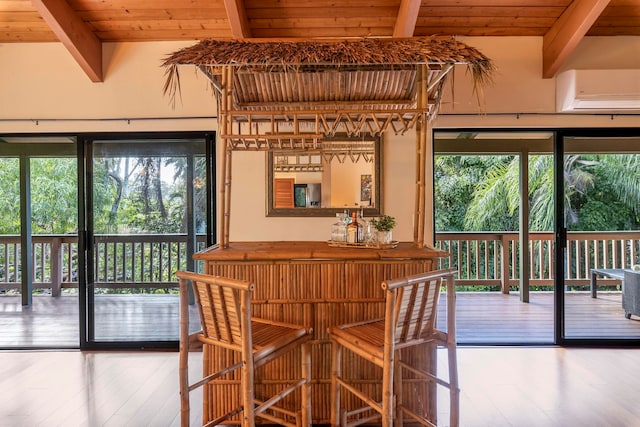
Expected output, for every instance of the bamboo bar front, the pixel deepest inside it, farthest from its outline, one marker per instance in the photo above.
(319, 286)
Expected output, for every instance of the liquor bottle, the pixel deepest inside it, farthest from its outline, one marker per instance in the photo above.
(354, 230)
(365, 226)
(339, 229)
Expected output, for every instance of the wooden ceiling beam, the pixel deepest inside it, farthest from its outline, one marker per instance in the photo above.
(407, 18)
(563, 37)
(237, 15)
(74, 34)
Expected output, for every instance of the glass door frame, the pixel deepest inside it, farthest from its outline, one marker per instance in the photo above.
(85, 224)
(560, 231)
(561, 234)
(521, 143)
(44, 145)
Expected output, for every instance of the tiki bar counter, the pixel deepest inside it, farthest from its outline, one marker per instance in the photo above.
(294, 98)
(312, 284)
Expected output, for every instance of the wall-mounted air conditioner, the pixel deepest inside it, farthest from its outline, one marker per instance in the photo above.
(598, 90)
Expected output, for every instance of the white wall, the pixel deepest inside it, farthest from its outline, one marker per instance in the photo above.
(345, 177)
(42, 81)
(519, 96)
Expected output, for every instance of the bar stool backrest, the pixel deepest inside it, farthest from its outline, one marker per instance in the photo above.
(411, 309)
(225, 305)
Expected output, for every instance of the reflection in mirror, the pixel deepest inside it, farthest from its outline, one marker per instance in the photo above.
(343, 174)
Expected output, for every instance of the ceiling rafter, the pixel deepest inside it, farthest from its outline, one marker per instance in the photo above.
(75, 35)
(565, 34)
(407, 18)
(238, 21)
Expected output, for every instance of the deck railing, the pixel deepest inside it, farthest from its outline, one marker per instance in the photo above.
(121, 261)
(484, 259)
(491, 258)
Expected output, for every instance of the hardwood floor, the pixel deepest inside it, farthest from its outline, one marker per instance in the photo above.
(73, 388)
(549, 387)
(500, 387)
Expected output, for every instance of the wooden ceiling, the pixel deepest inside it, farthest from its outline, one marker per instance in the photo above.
(83, 25)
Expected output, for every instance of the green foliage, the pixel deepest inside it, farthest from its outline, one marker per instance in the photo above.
(493, 206)
(144, 195)
(54, 201)
(597, 215)
(614, 201)
(10, 196)
(147, 195)
(481, 193)
(383, 223)
(53, 195)
(455, 181)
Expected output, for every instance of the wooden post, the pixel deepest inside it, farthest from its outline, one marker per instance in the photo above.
(454, 391)
(56, 266)
(524, 226)
(223, 132)
(504, 255)
(183, 363)
(421, 146)
(26, 239)
(226, 102)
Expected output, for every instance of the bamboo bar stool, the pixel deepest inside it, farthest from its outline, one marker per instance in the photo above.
(225, 315)
(410, 320)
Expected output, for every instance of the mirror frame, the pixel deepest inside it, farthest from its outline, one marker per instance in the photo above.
(329, 212)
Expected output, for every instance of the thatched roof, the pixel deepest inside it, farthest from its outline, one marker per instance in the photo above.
(424, 50)
(377, 74)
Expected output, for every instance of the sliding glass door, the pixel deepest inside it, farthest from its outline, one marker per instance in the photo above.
(493, 213)
(601, 220)
(38, 242)
(148, 215)
(568, 249)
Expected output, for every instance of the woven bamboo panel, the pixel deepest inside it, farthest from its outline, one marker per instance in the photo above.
(318, 293)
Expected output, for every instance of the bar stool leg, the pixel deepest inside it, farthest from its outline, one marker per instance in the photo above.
(387, 392)
(306, 387)
(397, 379)
(247, 383)
(336, 371)
(454, 391)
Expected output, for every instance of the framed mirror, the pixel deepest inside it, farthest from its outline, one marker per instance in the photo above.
(344, 174)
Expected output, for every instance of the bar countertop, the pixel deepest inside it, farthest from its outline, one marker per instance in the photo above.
(290, 250)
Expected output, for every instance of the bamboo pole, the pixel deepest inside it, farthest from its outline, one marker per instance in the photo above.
(185, 409)
(223, 136)
(226, 122)
(421, 147)
(227, 201)
(230, 91)
(416, 203)
(454, 391)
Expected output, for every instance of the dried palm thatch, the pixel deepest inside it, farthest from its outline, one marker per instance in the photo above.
(307, 56)
(425, 50)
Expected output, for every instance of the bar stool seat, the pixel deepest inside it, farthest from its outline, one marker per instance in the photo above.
(410, 320)
(225, 315)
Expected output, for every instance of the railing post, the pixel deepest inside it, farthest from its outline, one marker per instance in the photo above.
(504, 260)
(56, 266)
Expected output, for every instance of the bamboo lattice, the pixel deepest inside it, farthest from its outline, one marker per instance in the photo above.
(318, 293)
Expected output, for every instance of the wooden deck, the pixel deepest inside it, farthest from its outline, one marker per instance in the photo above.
(498, 318)
(482, 318)
(54, 321)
